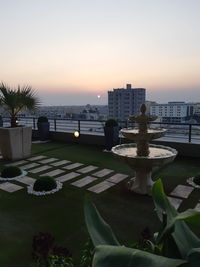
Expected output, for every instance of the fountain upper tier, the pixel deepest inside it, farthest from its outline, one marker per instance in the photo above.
(136, 135)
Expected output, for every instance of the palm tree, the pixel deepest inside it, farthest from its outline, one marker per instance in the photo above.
(17, 100)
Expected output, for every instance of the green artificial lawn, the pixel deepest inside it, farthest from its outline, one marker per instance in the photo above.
(61, 214)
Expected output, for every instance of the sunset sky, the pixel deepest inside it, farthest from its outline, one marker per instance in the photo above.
(71, 51)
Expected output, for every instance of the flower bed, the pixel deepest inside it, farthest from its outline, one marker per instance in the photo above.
(30, 190)
(24, 173)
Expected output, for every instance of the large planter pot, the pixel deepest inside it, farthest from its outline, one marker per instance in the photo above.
(43, 130)
(111, 136)
(15, 143)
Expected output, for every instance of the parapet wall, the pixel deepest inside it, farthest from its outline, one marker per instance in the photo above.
(184, 149)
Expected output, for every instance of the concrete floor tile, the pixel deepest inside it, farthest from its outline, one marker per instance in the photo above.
(9, 187)
(26, 180)
(116, 178)
(61, 162)
(87, 169)
(182, 191)
(67, 177)
(102, 173)
(84, 181)
(73, 166)
(29, 166)
(98, 188)
(53, 173)
(17, 163)
(40, 169)
(36, 158)
(175, 202)
(45, 161)
(197, 208)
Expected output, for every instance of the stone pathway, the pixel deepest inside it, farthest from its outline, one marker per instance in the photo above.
(102, 180)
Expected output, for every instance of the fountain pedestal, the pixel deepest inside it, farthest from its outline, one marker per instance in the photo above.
(141, 156)
(142, 182)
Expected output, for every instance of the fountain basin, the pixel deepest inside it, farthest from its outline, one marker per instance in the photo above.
(133, 134)
(159, 155)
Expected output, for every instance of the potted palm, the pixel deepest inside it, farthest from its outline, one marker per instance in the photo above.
(111, 132)
(15, 141)
(43, 128)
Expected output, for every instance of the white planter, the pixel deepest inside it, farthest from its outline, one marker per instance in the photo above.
(15, 143)
(44, 193)
(24, 173)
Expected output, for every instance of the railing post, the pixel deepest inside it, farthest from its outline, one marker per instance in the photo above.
(55, 126)
(34, 126)
(79, 126)
(190, 133)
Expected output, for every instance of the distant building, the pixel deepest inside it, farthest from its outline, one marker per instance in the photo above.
(173, 112)
(125, 102)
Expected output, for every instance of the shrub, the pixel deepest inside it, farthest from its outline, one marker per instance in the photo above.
(44, 183)
(46, 253)
(111, 123)
(196, 179)
(42, 119)
(10, 172)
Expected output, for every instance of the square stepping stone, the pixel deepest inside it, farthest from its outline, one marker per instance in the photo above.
(45, 161)
(59, 163)
(72, 166)
(102, 173)
(98, 188)
(36, 158)
(29, 166)
(197, 208)
(53, 173)
(67, 177)
(87, 169)
(40, 169)
(9, 187)
(182, 191)
(84, 181)
(26, 180)
(17, 163)
(116, 178)
(175, 202)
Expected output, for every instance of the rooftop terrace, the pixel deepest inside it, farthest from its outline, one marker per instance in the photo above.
(83, 169)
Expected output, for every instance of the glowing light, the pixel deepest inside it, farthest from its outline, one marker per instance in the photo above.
(76, 134)
(98, 96)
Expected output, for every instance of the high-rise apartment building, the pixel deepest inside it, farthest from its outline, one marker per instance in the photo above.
(173, 112)
(123, 102)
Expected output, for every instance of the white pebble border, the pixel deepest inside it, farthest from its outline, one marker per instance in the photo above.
(190, 182)
(24, 173)
(43, 193)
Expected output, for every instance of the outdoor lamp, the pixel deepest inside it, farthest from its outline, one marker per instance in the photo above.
(76, 134)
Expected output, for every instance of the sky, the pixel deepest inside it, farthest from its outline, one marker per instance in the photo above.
(73, 51)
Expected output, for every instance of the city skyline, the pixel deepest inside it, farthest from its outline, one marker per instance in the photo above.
(72, 52)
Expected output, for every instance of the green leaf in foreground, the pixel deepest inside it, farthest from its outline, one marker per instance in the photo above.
(109, 256)
(100, 232)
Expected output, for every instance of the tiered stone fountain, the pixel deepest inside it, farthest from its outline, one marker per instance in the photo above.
(141, 156)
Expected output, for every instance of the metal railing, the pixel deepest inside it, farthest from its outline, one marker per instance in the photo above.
(175, 132)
